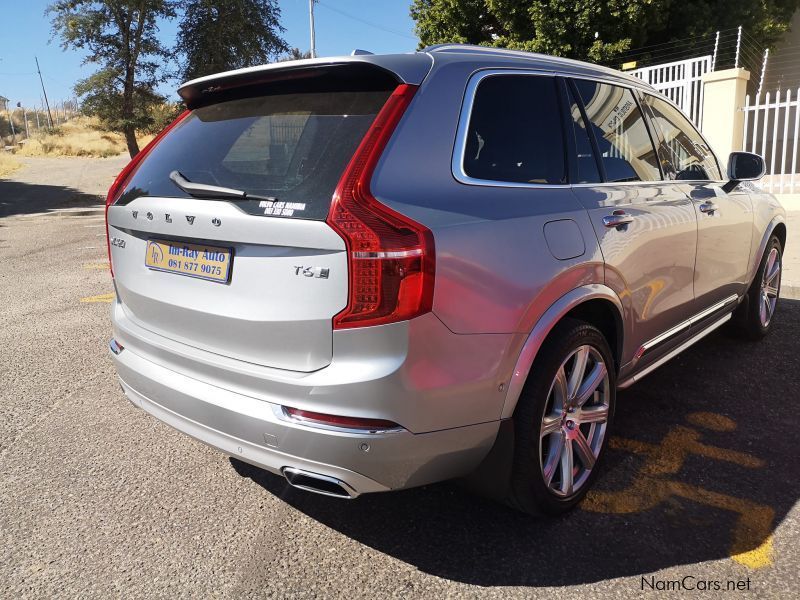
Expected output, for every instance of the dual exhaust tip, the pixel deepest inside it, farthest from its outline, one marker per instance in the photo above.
(319, 484)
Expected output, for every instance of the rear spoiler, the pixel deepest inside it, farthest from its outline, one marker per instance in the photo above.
(406, 68)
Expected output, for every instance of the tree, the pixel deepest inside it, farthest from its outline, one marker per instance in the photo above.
(120, 37)
(595, 30)
(295, 54)
(220, 35)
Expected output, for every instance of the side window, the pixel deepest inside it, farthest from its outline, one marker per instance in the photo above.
(683, 150)
(586, 165)
(626, 150)
(514, 132)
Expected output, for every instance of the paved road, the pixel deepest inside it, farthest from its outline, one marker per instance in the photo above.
(98, 499)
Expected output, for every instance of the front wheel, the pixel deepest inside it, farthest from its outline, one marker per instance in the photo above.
(562, 420)
(755, 316)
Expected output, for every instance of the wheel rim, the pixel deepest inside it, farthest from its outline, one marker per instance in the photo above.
(574, 422)
(770, 287)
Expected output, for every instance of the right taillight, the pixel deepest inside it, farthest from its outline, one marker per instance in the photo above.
(391, 260)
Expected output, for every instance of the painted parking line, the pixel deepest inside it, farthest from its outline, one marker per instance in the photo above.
(96, 266)
(752, 543)
(104, 298)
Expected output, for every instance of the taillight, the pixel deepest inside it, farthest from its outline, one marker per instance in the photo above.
(390, 257)
(116, 189)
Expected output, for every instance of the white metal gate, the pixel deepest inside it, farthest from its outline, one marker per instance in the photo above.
(681, 82)
(771, 129)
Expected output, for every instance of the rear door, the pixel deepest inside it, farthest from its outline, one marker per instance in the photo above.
(646, 226)
(724, 219)
(258, 278)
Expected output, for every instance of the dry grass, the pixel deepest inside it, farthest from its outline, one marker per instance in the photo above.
(80, 136)
(8, 164)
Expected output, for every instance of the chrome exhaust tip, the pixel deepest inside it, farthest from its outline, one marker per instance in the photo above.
(319, 484)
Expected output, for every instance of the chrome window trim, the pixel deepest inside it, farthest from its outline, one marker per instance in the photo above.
(459, 150)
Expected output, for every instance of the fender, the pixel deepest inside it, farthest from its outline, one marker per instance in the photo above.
(776, 220)
(543, 327)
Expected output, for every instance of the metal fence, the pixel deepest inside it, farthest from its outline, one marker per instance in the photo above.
(771, 129)
(681, 82)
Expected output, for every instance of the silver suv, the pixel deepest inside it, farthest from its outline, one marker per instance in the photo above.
(374, 272)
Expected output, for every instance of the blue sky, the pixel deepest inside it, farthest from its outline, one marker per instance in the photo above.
(341, 25)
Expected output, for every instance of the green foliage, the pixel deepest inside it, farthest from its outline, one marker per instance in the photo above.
(220, 35)
(120, 38)
(595, 30)
(295, 54)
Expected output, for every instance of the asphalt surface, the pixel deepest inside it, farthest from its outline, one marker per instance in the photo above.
(98, 499)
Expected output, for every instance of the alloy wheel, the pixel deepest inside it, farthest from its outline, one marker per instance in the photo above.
(770, 286)
(575, 421)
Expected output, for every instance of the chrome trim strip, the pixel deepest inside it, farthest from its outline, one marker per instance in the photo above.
(459, 150)
(691, 341)
(115, 347)
(351, 493)
(650, 344)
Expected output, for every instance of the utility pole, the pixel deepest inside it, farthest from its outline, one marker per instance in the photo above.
(313, 36)
(49, 116)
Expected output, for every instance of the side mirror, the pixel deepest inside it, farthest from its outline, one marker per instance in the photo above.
(744, 166)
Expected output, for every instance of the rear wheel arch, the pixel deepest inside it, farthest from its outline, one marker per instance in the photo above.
(779, 231)
(595, 304)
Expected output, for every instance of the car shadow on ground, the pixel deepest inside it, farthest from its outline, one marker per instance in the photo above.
(19, 198)
(702, 467)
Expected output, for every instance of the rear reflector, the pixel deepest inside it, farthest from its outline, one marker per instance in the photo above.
(390, 257)
(338, 421)
(116, 189)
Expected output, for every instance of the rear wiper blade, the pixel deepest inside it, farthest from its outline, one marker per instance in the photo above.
(204, 190)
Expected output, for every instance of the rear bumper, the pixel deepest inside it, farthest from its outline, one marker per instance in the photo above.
(257, 431)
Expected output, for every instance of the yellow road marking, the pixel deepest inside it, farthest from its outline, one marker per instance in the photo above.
(108, 298)
(651, 486)
(98, 266)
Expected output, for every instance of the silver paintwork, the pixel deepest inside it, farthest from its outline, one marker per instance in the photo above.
(579, 397)
(220, 362)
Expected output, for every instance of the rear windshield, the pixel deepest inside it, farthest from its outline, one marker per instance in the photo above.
(290, 147)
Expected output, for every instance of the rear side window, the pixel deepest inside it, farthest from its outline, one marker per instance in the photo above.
(626, 150)
(514, 133)
(683, 152)
(288, 147)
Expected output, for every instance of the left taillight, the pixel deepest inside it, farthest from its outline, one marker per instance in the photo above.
(115, 191)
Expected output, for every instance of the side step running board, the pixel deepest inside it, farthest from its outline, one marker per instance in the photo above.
(692, 340)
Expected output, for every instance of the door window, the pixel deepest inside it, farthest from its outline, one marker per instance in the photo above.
(626, 149)
(683, 152)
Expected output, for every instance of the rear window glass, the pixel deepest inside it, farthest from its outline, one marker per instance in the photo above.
(291, 148)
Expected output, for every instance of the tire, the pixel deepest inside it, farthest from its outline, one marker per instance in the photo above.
(545, 399)
(755, 316)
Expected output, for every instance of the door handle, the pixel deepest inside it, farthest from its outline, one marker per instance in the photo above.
(707, 207)
(618, 219)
